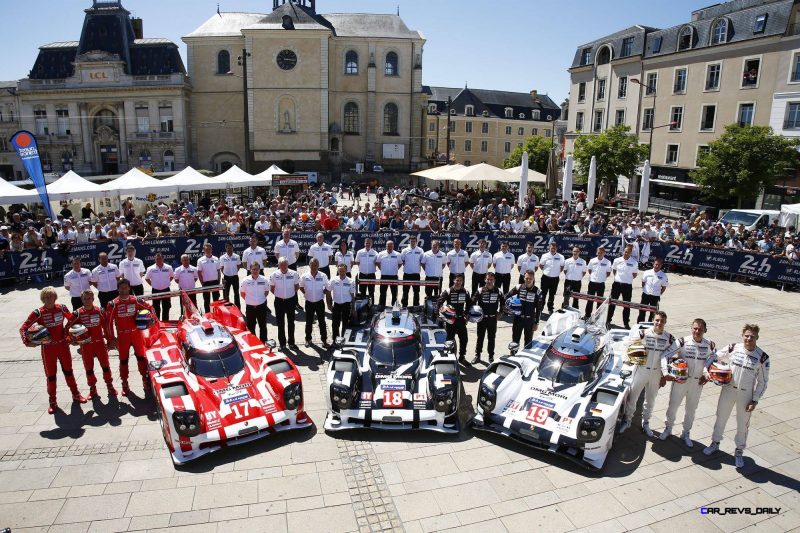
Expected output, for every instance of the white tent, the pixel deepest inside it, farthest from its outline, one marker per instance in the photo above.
(71, 186)
(235, 177)
(533, 176)
(271, 171)
(137, 182)
(790, 215)
(11, 194)
(189, 179)
(483, 172)
(439, 173)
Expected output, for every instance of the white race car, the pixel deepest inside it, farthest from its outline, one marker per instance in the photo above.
(564, 392)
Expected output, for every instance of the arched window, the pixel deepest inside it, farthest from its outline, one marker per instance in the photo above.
(223, 62)
(351, 62)
(105, 118)
(390, 115)
(685, 38)
(351, 118)
(604, 55)
(391, 64)
(719, 33)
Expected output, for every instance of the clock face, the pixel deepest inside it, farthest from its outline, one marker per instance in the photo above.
(287, 59)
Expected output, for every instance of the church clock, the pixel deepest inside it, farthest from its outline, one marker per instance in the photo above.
(287, 59)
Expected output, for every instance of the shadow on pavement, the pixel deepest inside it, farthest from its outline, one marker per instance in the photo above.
(72, 424)
(752, 471)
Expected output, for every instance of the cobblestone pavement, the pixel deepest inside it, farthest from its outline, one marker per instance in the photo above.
(103, 466)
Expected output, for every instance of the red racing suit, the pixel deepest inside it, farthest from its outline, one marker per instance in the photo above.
(122, 314)
(95, 321)
(58, 349)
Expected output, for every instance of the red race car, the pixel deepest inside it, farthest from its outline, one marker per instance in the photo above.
(216, 384)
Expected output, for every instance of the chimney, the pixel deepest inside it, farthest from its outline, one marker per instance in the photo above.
(534, 95)
(138, 28)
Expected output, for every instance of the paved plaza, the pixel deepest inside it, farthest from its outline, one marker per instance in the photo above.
(104, 466)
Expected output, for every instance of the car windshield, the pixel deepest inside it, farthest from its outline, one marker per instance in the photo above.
(395, 352)
(740, 217)
(566, 369)
(226, 361)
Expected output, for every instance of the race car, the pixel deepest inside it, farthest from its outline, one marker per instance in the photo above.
(394, 370)
(216, 384)
(564, 392)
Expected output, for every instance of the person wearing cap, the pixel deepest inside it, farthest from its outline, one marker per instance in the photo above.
(208, 267)
(574, 270)
(625, 269)
(255, 288)
(599, 268)
(132, 269)
(76, 281)
(552, 265)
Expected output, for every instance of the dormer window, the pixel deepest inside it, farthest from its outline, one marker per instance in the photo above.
(719, 32)
(485, 113)
(760, 24)
(604, 55)
(535, 114)
(685, 38)
(521, 115)
(452, 111)
(586, 56)
(469, 111)
(432, 108)
(509, 112)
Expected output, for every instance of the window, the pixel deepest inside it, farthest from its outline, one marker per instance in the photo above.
(165, 118)
(679, 85)
(792, 116)
(351, 119)
(62, 121)
(106, 118)
(601, 90)
(672, 154)
(508, 130)
(432, 109)
(746, 112)
(534, 131)
(652, 84)
(713, 73)
(391, 64)
(719, 33)
(453, 112)
(750, 74)
(507, 147)
(707, 117)
(535, 114)
(390, 115)
(66, 160)
(432, 126)
(469, 111)
(586, 56)
(452, 127)
(40, 119)
(142, 118)
(702, 149)
(598, 121)
(547, 133)
(452, 145)
(685, 38)
(582, 91)
(47, 162)
(520, 131)
(351, 62)
(647, 119)
(485, 127)
(604, 55)
(468, 126)
(622, 91)
(579, 121)
(468, 145)
(795, 74)
(484, 146)
(627, 46)
(223, 62)
(760, 24)
(145, 159)
(676, 118)
(619, 118)
(657, 44)
(509, 112)
(431, 144)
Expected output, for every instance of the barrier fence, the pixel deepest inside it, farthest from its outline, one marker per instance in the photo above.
(738, 263)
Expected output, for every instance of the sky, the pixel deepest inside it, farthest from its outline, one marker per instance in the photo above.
(512, 45)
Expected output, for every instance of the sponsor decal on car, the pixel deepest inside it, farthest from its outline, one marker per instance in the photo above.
(236, 397)
(565, 423)
(420, 400)
(212, 421)
(512, 406)
(533, 400)
(268, 406)
(366, 396)
(230, 388)
(393, 384)
(545, 392)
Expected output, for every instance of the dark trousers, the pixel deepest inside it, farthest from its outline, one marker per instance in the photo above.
(161, 305)
(229, 282)
(431, 292)
(523, 325)
(284, 313)
(460, 329)
(571, 286)
(549, 288)
(595, 289)
(648, 299)
(486, 327)
(208, 295)
(76, 302)
(406, 289)
(316, 309)
(257, 315)
(392, 288)
(478, 281)
(364, 289)
(105, 297)
(341, 317)
(137, 290)
(503, 282)
(326, 270)
(625, 290)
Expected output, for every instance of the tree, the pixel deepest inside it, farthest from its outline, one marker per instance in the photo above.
(538, 149)
(618, 153)
(744, 161)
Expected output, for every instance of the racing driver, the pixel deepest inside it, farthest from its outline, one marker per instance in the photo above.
(94, 319)
(458, 298)
(51, 316)
(532, 303)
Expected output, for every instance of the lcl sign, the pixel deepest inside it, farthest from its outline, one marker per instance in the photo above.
(98, 75)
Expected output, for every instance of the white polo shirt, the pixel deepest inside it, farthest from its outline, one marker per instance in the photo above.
(284, 286)
(411, 258)
(314, 286)
(457, 261)
(230, 264)
(255, 290)
(552, 264)
(389, 262)
(342, 290)
(366, 260)
(290, 250)
(209, 268)
(503, 262)
(574, 269)
(186, 277)
(159, 277)
(527, 262)
(254, 255)
(481, 261)
(433, 263)
(322, 253)
(653, 282)
(624, 270)
(106, 277)
(345, 259)
(77, 282)
(132, 270)
(600, 270)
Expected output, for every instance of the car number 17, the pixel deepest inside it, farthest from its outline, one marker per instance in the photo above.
(538, 415)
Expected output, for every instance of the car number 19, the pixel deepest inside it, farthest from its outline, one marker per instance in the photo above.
(538, 415)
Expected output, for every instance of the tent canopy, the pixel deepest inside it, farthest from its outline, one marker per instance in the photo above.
(484, 172)
(271, 171)
(189, 179)
(70, 186)
(137, 182)
(533, 176)
(441, 173)
(236, 177)
(790, 214)
(11, 194)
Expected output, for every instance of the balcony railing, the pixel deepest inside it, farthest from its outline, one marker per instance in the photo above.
(156, 136)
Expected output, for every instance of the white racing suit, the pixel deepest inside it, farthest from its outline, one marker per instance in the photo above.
(749, 381)
(698, 355)
(648, 377)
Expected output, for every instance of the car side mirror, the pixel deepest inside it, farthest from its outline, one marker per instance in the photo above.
(513, 347)
(450, 346)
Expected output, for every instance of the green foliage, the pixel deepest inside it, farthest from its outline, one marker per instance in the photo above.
(744, 161)
(538, 149)
(618, 153)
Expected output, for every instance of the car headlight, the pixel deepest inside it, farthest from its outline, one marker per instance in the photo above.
(341, 395)
(444, 399)
(590, 429)
(187, 423)
(487, 397)
(293, 395)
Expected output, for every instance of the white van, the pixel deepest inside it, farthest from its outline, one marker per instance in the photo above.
(751, 218)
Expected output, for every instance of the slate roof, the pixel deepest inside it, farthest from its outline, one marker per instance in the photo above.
(226, 24)
(615, 40)
(494, 102)
(370, 25)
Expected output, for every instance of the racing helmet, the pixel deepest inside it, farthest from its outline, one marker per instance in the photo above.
(39, 335)
(514, 306)
(362, 311)
(679, 369)
(79, 334)
(720, 373)
(447, 314)
(143, 319)
(475, 314)
(637, 353)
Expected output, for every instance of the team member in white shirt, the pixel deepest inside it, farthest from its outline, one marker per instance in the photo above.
(574, 270)
(341, 294)
(344, 257)
(254, 291)
(480, 261)
(132, 269)
(599, 271)
(366, 258)
(254, 254)
(104, 278)
(527, 261)
(322, 251)
(388, 262)
(625, 269)
(159, 276)
(314, 286)
(654, 284)
(503, 264)
(552, 264)
(230, 264)
(284, 284)
(208, 267)
(288, 248)
(76, 281)
(411, 258)
(186, 277)
(433, 262)
(457, 261)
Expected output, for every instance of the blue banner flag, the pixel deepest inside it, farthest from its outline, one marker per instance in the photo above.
(24, 142)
